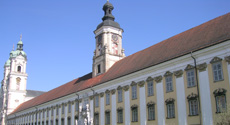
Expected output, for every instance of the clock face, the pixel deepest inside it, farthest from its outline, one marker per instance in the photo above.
(114, 38)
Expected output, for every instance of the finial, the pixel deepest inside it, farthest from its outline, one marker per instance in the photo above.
(13, 47)
(107, 0)
(21, 37)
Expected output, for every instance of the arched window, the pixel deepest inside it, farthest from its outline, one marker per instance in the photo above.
(19, 68)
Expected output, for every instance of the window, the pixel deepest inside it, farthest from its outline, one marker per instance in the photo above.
(99, 68)
(107, 117)
(217, 71)
(57, 110)
(107, 98)
(169, 84)
(43, 114)
(56, 121)
(97, 101)
(134, 92)
(119, 115)
(191, 78)
(150, 88)
(96, 118)
(76, 106)
(120, 95)
(134, 114)
(19, 68)
(220, 96)
(170, 108)
(52, 111)
(151, 112)
(62, 121)
(193, 107)
(63, 109)
(69, 107)
(68, 122)
(47, 113)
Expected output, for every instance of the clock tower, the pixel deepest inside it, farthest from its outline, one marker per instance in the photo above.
(108, 42)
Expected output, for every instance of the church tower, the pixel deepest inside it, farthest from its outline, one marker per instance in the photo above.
(15, 78)
(108, 37)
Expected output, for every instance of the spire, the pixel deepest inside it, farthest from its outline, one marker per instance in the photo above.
(108, 7)
(20, 44)
(21, 37)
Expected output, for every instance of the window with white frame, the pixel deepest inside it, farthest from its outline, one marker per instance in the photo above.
(134, 114)
(120, 115)
(193, 104)
(43, 114)
(191, 78)
(96, 101)
(69, 107)
(57, 110)
(119, 95)
(169, 84)
(151, 111)
(217, 71)
(107, 117)
(170, 108)
(52, 111)
(107, 98)
(150, 88)
(134, 91)
(220, 97)
(96, 118)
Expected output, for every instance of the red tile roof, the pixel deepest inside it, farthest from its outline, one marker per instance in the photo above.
(202, 36)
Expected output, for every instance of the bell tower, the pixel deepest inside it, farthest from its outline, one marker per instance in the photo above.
(108, 37)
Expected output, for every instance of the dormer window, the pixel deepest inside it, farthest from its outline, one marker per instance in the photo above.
(19, 69)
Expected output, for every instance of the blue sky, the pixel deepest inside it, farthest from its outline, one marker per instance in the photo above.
(58, 34)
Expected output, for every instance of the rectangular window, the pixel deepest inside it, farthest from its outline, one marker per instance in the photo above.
(193, 107)
(63, 109)
(62, 122)
(107, 118)
(43, 114)
(150, 88)
(107, 98)
(169, 84)
(120, 95)
(56, 122)
(52, 112)
(151, 112)
(120, 116)
(217, 71)
(134, 115)
(69, 107)
(191, 78)
(76, 106)
(134, 92)
(99, 68)
(96, 116)
(97, 101)
(170, 110)
(220, 103)
(68, 122)
(47, 113)
(57, 110)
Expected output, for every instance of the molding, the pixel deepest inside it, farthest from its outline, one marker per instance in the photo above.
(102, 94)
(79, 100)
(227, 58)
(107, 110)
(150, 103)
(72, 102)
(134, 106)
(119, 108)
(168, 73)
(169, 100)
(107, 91)
(113, 91)
(126, 88)
(119, 87)
(202, 67)
(133, 83)
(178, 73)
(215, 59)
(188, 67)
(91, 97)
(158, 79)
(141, 83)
(149, 79)
(192, 96)
(219, 91)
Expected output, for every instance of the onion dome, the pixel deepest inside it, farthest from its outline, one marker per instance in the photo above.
(108, 19)
(8, 62)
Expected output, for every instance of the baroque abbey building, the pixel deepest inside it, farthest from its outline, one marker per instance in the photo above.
(183, 80)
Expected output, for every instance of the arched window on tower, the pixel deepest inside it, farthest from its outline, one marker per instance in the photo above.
(19, 68)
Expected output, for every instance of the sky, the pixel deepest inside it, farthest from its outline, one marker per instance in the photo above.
(58, 34)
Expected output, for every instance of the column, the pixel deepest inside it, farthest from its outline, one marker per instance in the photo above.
(127, 105)
(49, 122)
(65, 111)
(142, 100)
(45, 113)
(160, 100)
(114, 107)
(181, 102)
(59, 114)
(72, 113)
(205, 98)
(54, 116)
(91, 109)
(102, 109)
